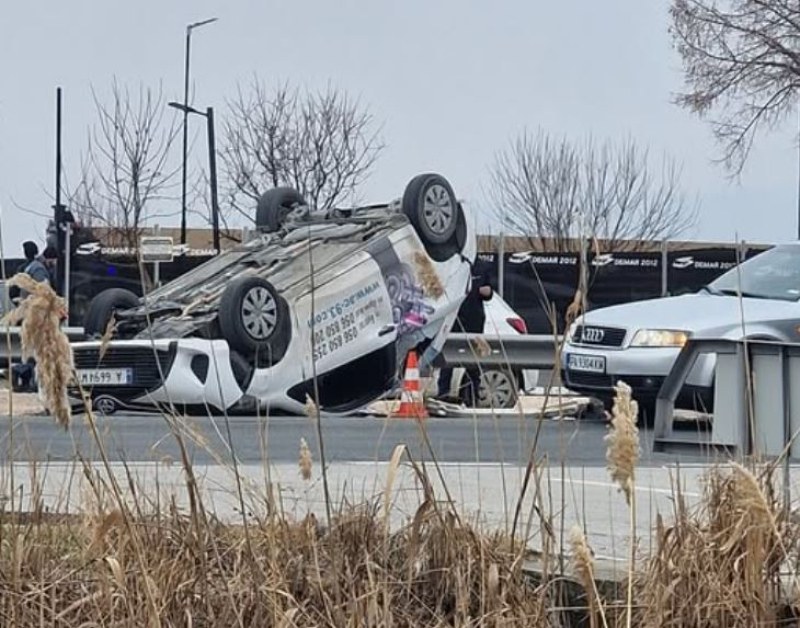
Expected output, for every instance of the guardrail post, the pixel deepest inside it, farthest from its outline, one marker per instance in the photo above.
(729, 429)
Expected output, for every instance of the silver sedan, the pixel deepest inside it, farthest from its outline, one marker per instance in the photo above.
(639, 342)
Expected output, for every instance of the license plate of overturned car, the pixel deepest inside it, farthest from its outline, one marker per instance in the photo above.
(105, 377)
(586, 363)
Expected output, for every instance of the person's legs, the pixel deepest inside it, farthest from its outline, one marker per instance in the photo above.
(470, 386)
(22, 374)
(443, 382)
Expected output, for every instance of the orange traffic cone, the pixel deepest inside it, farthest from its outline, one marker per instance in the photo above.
(412, 406)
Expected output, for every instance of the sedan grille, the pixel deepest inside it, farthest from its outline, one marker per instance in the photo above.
(149, 365)
(589, 380)
(593, 335)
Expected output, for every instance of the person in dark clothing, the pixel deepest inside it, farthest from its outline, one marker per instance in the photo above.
(471, 319)
(50, 259)
(34, 265)
(23, 375)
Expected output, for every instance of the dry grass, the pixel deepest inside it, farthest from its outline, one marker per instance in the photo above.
(725, 563)
(432, 571)
(305, 461)
(623, 441)
(427, 275)
(41, 313)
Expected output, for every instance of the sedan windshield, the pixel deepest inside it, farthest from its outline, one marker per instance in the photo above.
(774, 274)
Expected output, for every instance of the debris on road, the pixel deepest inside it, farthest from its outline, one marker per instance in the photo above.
(534, 407)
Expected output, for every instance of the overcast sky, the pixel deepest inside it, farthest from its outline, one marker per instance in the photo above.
(451, 81)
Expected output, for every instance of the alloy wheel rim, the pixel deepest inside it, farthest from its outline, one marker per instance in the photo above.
(437, 209)
(259, 313)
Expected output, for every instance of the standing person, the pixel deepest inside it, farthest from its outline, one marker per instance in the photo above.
(34, 265)
(471, 319)
(50, 260)
(23, 374)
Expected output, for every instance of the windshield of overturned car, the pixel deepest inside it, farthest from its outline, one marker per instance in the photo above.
(774, 274)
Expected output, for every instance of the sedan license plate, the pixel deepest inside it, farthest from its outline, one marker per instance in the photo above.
(586, 363)
(105, 377)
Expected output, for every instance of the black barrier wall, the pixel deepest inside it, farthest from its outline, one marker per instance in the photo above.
(540, 286)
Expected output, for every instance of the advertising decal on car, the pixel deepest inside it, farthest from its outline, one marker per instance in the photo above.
(341, 322)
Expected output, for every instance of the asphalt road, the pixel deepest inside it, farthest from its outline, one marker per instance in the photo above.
(143, 438)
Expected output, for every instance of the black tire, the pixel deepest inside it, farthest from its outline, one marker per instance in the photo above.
(274, 206)
(105, 305)
(255, 320)
(105, 405)
(431, 205)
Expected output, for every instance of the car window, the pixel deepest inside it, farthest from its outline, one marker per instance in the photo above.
(774, 274)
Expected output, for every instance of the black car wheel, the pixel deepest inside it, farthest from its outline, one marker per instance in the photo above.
(255, 319)
(105, 305)
(432, 208)
(274, 206)
(105, 405)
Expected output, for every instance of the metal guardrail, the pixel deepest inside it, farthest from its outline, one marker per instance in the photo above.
(523, 351)
(11, 346)
(756, 408)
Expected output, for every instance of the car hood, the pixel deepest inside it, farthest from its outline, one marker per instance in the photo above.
(701, 314)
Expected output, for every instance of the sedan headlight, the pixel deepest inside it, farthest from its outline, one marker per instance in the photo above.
(659, 338)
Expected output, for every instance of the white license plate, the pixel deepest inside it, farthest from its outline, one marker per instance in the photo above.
(105, 377)
(586, 363)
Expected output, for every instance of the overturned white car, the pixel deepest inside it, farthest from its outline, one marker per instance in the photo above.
(339, 297)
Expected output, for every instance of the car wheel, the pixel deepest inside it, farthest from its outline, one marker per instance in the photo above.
(432, 207)
(105, 305)
(105, 405)
(255, 320)
(499, 388)
(274, 206)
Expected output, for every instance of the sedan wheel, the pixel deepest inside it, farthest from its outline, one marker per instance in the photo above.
(498, 389)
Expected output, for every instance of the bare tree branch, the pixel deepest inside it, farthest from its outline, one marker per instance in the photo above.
(741, 58)
(322, 144)
(555, 191)
(125, 169)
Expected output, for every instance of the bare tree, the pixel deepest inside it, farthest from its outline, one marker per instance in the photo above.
(742, 59)
(323, 144)
(125, 169)
(555, 191)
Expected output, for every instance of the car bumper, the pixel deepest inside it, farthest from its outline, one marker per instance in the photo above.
(643, 369)
(191, 372)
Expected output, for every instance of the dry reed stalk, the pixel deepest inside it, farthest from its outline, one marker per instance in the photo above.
(305, 461)
(622, 455)
(43, 339)
(108, 334)
(310, 408)
(482, 347)
(427, 275)
(623, 440)
(583, 562)
(574, 309)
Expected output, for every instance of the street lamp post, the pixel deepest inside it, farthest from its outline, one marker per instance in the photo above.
(189, 30)
(212, 167)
